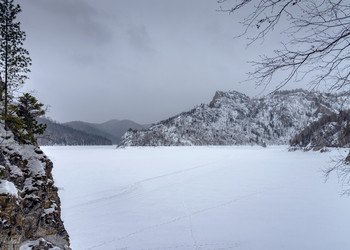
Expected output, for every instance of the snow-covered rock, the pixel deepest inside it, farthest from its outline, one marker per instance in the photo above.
(29, 203)
(8, 188)
(38, 244)
(233, 118)
(332, 130)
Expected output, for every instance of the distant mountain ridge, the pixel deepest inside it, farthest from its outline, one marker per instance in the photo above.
(84, 133)
(113, 129)
(233, 118)
(58, 134)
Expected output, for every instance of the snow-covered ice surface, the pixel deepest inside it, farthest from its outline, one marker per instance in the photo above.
(199, 198)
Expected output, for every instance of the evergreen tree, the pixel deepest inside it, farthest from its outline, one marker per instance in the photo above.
(14, 59)
(27, 110)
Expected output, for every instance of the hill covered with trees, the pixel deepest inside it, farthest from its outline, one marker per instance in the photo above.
(331, 130)
(112, 129)
(233, 118)
(59, 134)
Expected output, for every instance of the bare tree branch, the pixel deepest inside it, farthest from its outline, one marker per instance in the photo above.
(318, 45)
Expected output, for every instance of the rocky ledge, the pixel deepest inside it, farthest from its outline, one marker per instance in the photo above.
(30, 213)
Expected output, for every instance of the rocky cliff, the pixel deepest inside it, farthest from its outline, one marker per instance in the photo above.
(30, 214)
(332, 130)
(233, 118)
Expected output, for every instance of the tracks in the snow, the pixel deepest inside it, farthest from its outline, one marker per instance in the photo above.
(133, 187)
(179, 218)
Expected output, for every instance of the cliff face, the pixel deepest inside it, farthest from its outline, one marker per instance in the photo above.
(233, 118)
(30, 214)
(332, 130)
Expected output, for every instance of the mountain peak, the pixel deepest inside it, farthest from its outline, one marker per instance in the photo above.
(232, 118)
(222, 97)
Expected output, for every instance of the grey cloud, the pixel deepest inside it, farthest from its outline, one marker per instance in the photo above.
(139, 38)
(136, 59)
(77, 18)
(84, 59)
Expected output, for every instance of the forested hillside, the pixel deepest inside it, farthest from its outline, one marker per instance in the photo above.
(113, 129)
(331, 130)
(58, 134)
(233, 118)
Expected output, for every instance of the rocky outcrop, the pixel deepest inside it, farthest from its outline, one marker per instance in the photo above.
(30, 214)
(233, 118)
(331, 130)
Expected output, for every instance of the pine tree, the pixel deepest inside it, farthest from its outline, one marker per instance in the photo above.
(14, 59)
(27, 110)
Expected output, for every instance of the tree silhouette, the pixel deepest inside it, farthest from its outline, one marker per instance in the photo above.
(14, 59)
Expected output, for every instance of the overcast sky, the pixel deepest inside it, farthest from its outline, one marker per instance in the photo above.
(144, 60)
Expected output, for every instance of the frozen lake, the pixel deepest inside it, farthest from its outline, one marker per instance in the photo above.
(199, 198)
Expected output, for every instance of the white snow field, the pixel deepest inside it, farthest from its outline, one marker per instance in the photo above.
(200, 198)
